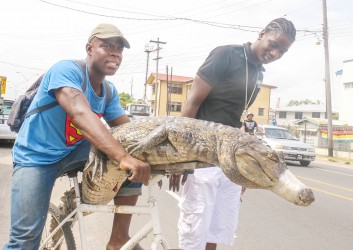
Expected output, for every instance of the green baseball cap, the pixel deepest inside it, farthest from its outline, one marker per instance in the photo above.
(106, 30)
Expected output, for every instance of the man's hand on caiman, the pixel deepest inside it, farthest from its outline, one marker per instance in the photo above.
(139, 171)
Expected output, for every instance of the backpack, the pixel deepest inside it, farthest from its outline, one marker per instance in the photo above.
(19, 109)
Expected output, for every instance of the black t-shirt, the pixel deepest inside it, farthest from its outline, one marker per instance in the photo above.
(249, 126)
(224, 70)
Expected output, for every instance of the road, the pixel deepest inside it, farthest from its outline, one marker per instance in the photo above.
(266, 221)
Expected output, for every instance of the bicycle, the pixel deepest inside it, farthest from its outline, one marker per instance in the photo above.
(57, 233)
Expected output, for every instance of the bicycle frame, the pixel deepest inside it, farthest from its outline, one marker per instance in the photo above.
(151, 209)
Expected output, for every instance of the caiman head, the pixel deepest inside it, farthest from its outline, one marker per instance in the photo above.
(258, 166)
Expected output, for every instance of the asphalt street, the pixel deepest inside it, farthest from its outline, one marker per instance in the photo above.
(266, 222)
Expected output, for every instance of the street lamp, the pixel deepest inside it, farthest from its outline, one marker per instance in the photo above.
(148, 50)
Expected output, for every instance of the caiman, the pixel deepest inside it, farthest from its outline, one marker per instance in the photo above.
(174, 144)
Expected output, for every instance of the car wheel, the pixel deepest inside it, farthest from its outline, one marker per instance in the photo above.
(304, 163)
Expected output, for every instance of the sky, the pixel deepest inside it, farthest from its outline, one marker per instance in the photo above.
(35, 34)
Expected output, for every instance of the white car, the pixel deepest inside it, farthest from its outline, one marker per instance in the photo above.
(5, 132)
(282, 140)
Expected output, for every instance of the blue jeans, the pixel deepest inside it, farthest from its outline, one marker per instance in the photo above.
(30, 197)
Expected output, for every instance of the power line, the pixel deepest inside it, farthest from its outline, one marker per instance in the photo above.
(303, 7)
(169, 18)
(21, 66)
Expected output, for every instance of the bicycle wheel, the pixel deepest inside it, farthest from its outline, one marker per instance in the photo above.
(63, 239)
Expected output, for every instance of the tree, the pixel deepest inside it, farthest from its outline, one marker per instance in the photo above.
(302, 102)
(125, 98)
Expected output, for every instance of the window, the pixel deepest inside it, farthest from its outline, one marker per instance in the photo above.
(6, 108)
(279, 133)
(153, 89)
(261, 112)
(348, 85)
(298, 115)
(282, 115)
(174, 106)
(315, 115)
(175, 89)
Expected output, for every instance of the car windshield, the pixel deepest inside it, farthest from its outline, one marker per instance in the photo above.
(279, 134)
(6, 108)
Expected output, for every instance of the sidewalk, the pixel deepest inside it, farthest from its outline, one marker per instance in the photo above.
(340, 155)
(334, 161)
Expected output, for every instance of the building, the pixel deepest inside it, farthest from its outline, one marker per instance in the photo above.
(261, 106)
(347, 92)
(286, 116)
(179, 87)
(171, 93)
(314, 132)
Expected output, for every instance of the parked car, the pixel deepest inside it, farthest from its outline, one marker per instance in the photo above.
(282, 140)
(5, 132)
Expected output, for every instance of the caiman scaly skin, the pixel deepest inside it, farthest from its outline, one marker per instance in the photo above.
(177, 143)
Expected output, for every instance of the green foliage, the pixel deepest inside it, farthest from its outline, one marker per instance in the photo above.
(302, 102)
(125, 98)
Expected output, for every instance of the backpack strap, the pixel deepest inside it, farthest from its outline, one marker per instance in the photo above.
(44, 107)
(108, 92)
(82, 64)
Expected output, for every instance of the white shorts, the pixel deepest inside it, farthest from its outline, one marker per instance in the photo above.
(209, 209)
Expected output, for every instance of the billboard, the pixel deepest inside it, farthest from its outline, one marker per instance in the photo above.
(3, 84)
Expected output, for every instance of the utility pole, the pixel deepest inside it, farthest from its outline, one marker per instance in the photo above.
(132, 84)
(327, 82)
(156, 84)
(168, 91)
(148, 50)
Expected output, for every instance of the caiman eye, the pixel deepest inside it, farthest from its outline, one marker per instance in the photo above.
(273, 156)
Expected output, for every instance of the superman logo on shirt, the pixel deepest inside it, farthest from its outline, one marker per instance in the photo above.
(72, 133)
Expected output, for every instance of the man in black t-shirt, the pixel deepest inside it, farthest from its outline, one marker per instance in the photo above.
(225, 86)
(249, 125)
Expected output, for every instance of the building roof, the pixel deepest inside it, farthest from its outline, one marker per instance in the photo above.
(270, 86)
(318, 121)
(173, 78)
(304, 108)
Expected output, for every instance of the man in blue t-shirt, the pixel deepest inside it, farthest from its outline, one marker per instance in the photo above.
(57, 140)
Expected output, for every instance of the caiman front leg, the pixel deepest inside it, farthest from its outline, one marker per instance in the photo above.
(155, 137)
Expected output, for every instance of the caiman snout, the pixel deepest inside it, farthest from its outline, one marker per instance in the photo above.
(293, 190)
(306, 197)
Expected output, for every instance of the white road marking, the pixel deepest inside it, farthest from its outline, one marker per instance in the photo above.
(334, 171)
(173, 194)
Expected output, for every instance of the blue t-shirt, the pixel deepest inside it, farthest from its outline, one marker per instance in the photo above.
(47, 137)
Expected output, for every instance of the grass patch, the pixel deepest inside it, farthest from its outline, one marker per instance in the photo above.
(336, 159)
